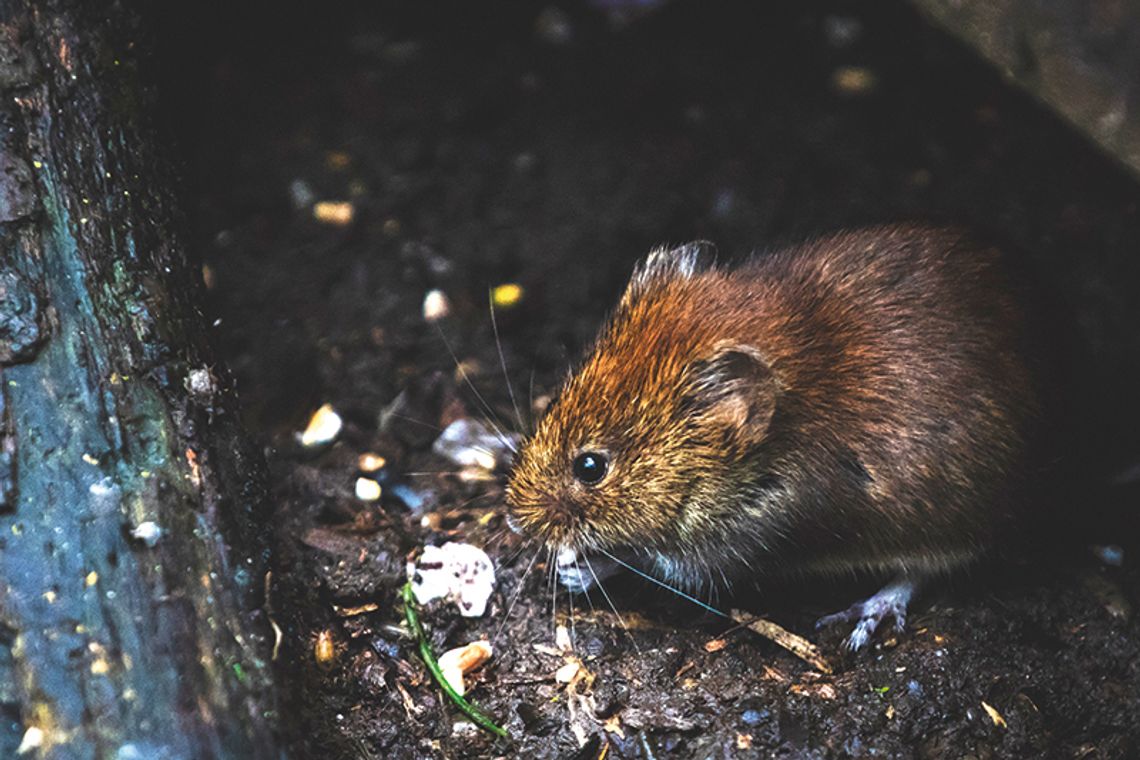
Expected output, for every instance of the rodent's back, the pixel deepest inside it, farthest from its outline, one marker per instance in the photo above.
(917, 398)
(860, 400)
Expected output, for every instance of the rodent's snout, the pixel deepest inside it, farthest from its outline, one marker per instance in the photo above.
(552, 520)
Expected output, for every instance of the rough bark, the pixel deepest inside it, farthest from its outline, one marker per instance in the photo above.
(132, 557)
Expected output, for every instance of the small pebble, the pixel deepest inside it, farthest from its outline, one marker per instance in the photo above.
(337, 160)
(413, 499)
(367, 489)
(33, 739)
(524, 163)
(369, 462)
(471, 443)
(337, 213)
(553, 26)
(853, 80)
(148, 532)
(436, 306)
(842, 31)
(753, 717)
(324, 426)
(201, 382)
(1110, 554)
(507, 295)
(301, 194)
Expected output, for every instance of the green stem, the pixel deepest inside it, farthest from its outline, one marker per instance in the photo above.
(480, 718)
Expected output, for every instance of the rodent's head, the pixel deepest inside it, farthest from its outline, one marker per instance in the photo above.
(644, 441)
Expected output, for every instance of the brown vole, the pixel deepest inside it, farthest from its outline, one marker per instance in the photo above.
(859, 402)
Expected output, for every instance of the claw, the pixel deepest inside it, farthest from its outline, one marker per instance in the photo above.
(868, 615)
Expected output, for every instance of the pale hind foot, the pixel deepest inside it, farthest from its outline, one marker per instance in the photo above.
(868, 615)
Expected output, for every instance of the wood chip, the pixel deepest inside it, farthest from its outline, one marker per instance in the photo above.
(797, 645)
(715, 645)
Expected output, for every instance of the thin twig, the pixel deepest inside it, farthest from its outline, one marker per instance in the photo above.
(797, 645)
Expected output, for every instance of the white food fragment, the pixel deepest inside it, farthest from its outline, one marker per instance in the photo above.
(33, 739)
(201, 382)
(436, 305)
(324, 426)
(148, 532)
(367, 489)
(562, 639)
(470, 443)
(460, 572)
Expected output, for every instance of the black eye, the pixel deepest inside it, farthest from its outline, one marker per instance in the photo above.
(590, 467)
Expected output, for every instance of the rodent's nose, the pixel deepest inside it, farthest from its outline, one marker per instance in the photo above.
(564, 513)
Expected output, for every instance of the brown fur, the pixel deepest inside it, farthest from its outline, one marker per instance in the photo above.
(858, 402)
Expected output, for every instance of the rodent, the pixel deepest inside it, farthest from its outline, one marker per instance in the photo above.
(860, 402)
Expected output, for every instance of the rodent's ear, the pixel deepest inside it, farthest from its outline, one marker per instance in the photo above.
(735, 389)
(664, 263)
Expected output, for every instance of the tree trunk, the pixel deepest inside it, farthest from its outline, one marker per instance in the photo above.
(132, 546)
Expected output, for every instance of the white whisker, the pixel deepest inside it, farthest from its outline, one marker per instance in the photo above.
(589, 599)
(530, 405)
(493, 423)
(665, 585)
(553, 594)
(516, 595)
(428, 425)
(503, 360)
(609, 601)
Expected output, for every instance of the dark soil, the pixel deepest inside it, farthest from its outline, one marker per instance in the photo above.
(484, 143)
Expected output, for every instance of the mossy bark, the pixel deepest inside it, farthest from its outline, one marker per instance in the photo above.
(132, 548)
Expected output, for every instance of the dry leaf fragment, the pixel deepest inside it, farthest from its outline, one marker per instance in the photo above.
(797, 645)
(715, 645)
(567, 673)
(362, 609)
(995, 716)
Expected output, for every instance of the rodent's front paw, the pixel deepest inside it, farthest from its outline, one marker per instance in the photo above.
(578, 573)
(572, 573)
